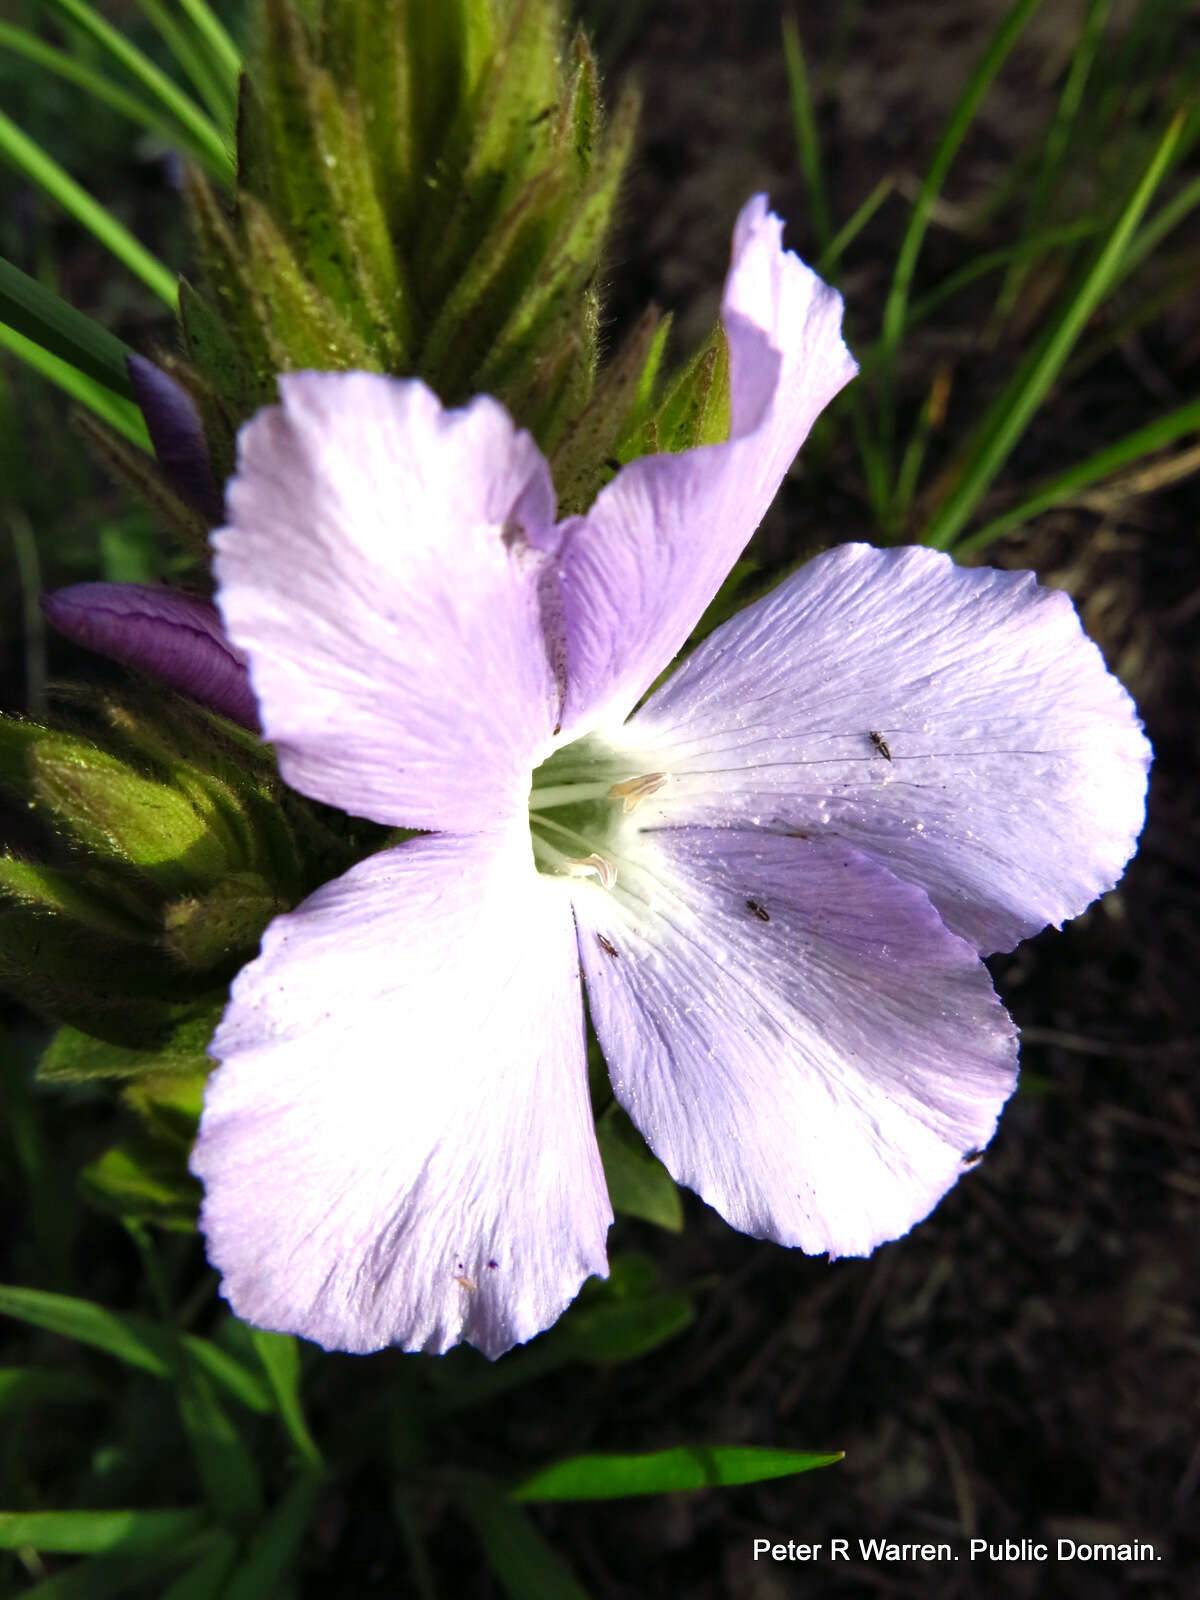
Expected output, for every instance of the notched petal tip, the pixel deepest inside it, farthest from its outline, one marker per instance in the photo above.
(639, 569)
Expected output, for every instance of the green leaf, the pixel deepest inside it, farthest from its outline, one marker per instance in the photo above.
(610, 1477)
(48, 889)
(695, 408)
(215, 86)
(75, 1057)
(106, 806)
(142, 1181)
(830, 257)
(275, 1545)
(1010, 414)
(22, 1387)
(517, 1553)
(106, 1577)
(614, 1321)
(895, 309)
(211, 30)
(620, 1332)
(94, 1532)
(804, 123)
(638, 1184)
(280, 1356)
(198, 130)
(112, 408)
(22, 42)
(31, 309)
(41, 168)
(225, 1464)
(223, 926)
(1055, 148)
(131, 1338)
(206, 1579)
(1124, 452)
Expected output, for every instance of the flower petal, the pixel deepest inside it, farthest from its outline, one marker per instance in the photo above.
(173, 637)
(177, 435)
(639, 569)
(378, 574)
(398, 1147)
(954, 723)
(794, 1031)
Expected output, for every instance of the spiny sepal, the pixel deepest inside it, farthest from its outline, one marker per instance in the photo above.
(423, 191)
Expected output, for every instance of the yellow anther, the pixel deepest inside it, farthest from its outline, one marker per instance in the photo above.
(634, 790)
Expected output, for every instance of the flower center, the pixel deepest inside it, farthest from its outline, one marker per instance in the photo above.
(578, 802)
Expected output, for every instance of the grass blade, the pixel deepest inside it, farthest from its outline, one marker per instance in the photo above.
(895, 311)
(280, 1356)
(1122, 453)
(218, 43)
(216, 89)
(96, 1532)
(1026, 252)
(201, 131)
(1156, 228)
(118, 412)
(274, 1546)
(833, 252)
(1054, 150)
(596, 1477)
(516, 1551)
(24, 43)
(41, 1386)
(206, 1579)
(29, 158)
(1013, 409)
(130, 1338)
(37, 312)
(808, 146)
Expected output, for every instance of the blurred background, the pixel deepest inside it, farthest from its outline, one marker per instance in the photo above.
(1026, 1364)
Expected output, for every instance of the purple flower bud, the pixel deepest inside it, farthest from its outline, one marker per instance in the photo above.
(173, 637)
(177, 435)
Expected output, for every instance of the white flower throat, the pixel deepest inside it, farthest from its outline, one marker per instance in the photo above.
(579, 799)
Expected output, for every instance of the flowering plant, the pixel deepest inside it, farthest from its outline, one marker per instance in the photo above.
(459, 782)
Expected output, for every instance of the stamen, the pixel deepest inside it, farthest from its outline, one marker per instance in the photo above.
(634, 790)
(598, 864)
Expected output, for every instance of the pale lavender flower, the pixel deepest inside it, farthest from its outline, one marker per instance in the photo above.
(776, 877)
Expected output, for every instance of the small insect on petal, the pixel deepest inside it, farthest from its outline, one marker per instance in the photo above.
(760, 912)
(880, 744)
(607, 946)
